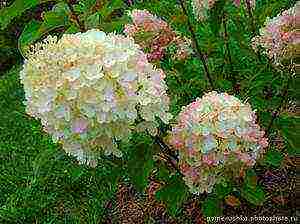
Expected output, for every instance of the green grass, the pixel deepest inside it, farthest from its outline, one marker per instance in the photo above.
(38, 182)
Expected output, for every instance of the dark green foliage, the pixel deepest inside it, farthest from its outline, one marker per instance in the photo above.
(7, 14)
(273, 158)
(289, 128)
(173, 194)
(251, 190)
(140, 161)
(212, 207)
(8, 51)
(34, 30)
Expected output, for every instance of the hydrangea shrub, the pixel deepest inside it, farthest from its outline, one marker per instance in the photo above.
(213, 135)
(89, 88)
(279, 37)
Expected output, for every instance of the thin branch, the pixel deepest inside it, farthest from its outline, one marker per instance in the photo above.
(198, 50)
(165, 148)
(169, 160)
(284, 96)
(226, 37)
(167, 153)
(75, 16)
(253, 26)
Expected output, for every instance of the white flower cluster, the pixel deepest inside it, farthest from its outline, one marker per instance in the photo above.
(88, 88)
(215, 134)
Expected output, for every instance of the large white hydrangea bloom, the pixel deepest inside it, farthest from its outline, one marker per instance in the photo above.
(216, 135)
(87, 89)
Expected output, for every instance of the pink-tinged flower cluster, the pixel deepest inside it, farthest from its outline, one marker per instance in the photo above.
(155, 35)
(214, 134)
(88, 88)
(201, 7)
(280, 36)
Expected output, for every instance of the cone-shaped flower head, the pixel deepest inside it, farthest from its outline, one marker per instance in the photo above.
(280, 36)
(87, 87)
(213, 135)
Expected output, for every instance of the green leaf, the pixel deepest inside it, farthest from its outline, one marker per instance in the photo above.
(212, 207)
(250, 179)
(215, 15)
(72, 29)
(93, 21)
(289, 128)
(116, 26)
(84, 6)
(33, 31)
(173, 194)
(273, 157)
(55, 18)
(251, 191)
(224, 85)
(140, 160)
(222, 189)
(163, 173)
(255, 196)
(293, 88)
(29, 35)
(7, 14)
(109, 7)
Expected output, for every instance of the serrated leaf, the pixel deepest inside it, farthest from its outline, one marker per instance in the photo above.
(7, 14)
(140, 160)
(173, 194)
(274, 158)
(212, 207)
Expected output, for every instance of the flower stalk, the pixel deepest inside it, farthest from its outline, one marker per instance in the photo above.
(249, 11)
(198, 50)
